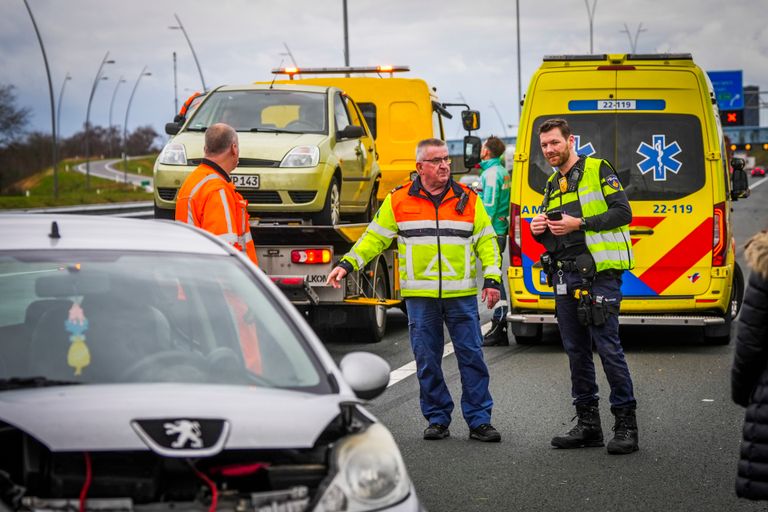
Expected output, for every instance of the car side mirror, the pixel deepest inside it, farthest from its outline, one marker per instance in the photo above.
(367, 374)
(472, 147)
(172, 128)
(178, 118)
(738, 163)
(470, 119)
(350, 132)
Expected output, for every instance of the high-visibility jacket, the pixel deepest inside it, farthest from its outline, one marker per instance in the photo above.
(437, 245)
(494, 191)
(611, 248)
(208, 200)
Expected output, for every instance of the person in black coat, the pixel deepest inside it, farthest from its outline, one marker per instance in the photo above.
(749, 376)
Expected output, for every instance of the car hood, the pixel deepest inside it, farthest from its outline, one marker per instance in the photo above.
(266, 146)
(100, 417)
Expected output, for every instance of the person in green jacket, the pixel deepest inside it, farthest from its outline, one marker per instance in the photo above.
(494, 192)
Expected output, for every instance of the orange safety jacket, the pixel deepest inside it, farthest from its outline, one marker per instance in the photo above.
(208, 200)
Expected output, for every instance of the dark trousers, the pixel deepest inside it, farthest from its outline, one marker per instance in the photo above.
(425, 325)
(578, 339)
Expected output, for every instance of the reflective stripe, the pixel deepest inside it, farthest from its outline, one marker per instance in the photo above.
(588, 197)
(360, 261)
(381, 230)
(491, 270)
(488, 230)
(409, 261)
(227, 212)
(468, 267)
(456, 224)
(195, 189)
(432, 240)
(230, 238)
(247, 237)
(463, 285)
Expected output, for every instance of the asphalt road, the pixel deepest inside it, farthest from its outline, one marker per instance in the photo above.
(689, 429)
(104, 169)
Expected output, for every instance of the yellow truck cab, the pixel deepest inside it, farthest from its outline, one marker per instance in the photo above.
(655, 118)
(399, 112)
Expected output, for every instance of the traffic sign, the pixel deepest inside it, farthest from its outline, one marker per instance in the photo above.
(729, 89)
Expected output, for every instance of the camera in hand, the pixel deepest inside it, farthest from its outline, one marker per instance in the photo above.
(554, 215)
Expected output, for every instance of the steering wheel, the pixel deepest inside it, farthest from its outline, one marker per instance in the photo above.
(161, 363)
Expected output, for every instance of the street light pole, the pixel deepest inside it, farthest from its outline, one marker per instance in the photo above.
(519, 79)
(96, 80)
(633, 42)
(175, 88)
(197, 62)
(591, 14)
(53, 105)
(67, 78)
(346, 35)
(144, 72)
(121, 80)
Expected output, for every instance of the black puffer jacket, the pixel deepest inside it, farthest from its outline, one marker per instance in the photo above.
(749, 377)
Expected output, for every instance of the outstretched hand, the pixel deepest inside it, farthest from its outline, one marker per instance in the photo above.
(335, 277)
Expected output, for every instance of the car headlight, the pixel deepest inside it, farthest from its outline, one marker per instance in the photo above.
(173, 154)
(370, 473)
(302, 156)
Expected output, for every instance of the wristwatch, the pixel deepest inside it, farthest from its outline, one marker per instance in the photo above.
(583, 225)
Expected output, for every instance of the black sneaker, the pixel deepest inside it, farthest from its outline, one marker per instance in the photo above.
(496, 335)
(485, 433)
(436, 431)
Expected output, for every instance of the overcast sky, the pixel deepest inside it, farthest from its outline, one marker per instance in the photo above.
(467, 49)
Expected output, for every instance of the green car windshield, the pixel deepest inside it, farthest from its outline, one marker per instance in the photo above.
(106, 317)
(264, 111)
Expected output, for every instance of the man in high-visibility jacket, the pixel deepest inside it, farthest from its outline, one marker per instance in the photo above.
(208, 198)
(586, 233)
(441, 228)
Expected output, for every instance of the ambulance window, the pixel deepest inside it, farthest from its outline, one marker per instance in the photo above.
(369, 113)
(656, 156)
(340, 111)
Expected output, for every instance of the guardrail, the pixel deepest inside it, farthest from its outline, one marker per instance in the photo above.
(135, 209)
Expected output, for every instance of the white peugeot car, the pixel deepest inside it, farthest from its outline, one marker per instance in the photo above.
(145, 365)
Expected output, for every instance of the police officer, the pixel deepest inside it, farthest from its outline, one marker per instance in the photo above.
(585, 231)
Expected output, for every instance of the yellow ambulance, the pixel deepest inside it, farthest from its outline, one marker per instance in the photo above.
(655, 118)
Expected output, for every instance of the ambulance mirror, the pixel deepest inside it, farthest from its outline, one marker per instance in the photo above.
(740, 185)
(472, 147)
(738, 163)
(470, 119)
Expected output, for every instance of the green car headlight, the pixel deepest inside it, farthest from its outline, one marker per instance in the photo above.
(173, 154)
(302, 156)
(370, 474)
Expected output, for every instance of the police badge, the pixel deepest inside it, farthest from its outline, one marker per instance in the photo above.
(613, 182)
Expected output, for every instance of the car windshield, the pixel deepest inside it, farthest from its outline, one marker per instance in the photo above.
(107, 317)
(264, 111)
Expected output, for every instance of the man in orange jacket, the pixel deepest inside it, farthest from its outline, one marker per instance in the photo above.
(208, 198)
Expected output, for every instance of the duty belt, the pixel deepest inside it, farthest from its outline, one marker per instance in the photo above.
(566, 265)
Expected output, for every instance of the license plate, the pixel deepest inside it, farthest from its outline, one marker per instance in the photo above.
(245, 181)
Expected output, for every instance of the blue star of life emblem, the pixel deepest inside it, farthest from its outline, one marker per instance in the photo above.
(586, 150)
(659, 158)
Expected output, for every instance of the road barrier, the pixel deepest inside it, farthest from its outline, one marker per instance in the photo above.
(135, 209)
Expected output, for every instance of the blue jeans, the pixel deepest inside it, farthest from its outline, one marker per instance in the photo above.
(578, 339)
(425, 324)
(500, 313)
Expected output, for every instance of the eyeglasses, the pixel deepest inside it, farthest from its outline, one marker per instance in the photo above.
(438, 160)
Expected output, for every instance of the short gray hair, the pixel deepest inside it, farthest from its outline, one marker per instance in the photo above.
(218, 138)
(428, 143)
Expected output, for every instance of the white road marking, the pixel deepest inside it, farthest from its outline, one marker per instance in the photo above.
(409, 369)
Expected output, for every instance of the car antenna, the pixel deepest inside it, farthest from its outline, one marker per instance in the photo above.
(54, 230)
(275, 78)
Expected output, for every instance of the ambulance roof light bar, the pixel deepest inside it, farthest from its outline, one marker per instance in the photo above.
(290, 71)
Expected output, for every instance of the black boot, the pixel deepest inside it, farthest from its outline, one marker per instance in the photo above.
(496, 335)
(624, 431)
(586, 433)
